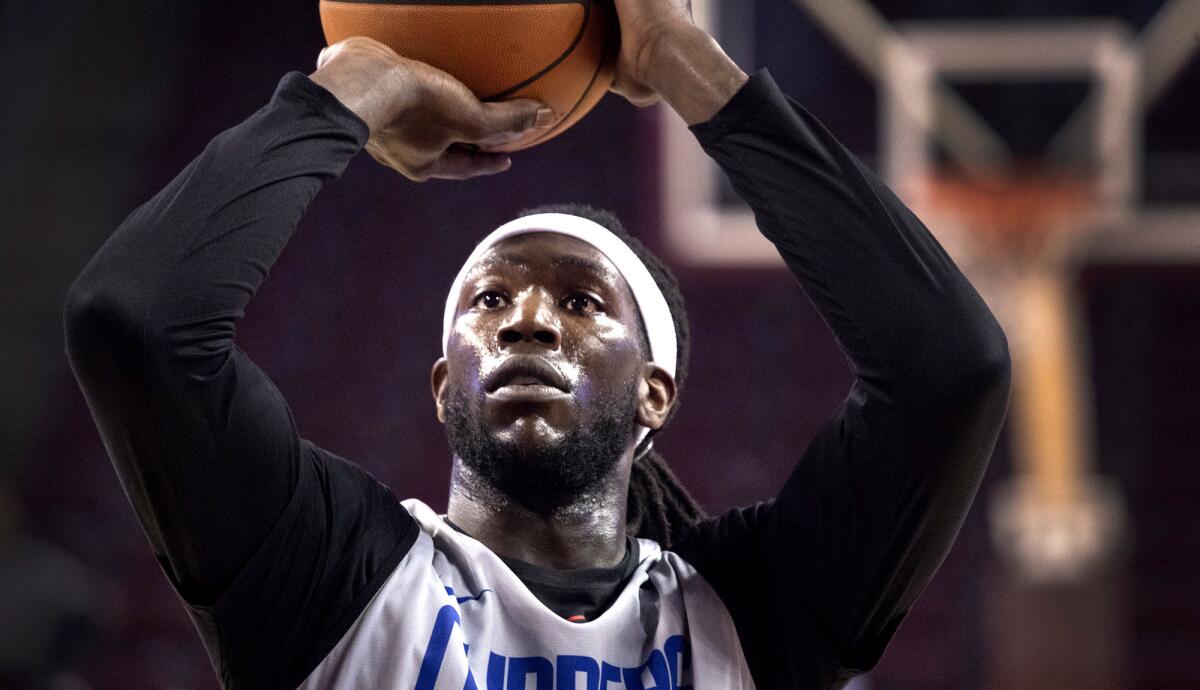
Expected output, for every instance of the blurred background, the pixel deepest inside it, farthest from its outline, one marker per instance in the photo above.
(1051, 146)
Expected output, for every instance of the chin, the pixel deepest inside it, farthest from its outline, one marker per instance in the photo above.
(541, 458)
(531, 434)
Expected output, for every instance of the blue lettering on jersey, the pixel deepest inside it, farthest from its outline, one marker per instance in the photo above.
(495, 671)
(520, 668)
(668, 668)
(568, 669)
(656, 666)
(435, 651)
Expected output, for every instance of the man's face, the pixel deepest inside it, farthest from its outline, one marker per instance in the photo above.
(545, 377)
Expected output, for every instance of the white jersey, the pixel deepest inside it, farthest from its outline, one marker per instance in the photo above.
(453, 616)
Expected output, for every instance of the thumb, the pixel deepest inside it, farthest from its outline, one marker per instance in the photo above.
(515, 116)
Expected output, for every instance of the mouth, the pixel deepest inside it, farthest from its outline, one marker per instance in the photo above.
(525, 376)
(527, 393)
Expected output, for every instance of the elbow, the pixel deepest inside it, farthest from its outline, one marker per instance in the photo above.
(112, 327)
(978, 376)
(97, 321)
(992, 375)
(954, 370)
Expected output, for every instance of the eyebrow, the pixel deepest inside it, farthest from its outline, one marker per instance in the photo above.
(573, 261)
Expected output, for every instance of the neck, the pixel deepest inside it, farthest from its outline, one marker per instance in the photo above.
(588, 532)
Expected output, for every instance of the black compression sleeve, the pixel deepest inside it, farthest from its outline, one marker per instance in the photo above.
(819, 578)
(270, 540)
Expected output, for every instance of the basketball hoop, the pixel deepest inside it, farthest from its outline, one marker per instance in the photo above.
(1019, 216)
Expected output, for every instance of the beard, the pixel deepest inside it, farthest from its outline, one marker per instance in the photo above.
(543, 476)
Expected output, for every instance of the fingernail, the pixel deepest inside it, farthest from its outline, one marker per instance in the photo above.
(545, 117)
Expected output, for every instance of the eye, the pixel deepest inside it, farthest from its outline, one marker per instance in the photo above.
(582, 303)
(489, 299)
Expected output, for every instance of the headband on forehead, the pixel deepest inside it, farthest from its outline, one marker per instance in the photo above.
(656, 315)
(652, 305)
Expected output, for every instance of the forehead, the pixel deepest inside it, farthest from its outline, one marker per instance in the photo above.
(547, 251)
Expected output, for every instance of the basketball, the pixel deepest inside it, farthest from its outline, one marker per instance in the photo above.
(560, 53)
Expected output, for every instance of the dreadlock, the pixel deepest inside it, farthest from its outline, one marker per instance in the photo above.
(658, 508)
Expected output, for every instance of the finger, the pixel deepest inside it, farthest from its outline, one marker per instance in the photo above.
(506, 121)
(500, 139)
(459, 163)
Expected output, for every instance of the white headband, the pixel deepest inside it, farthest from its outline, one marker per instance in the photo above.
(656, 315)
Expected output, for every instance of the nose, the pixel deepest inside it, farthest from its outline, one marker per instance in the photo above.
(531, 320)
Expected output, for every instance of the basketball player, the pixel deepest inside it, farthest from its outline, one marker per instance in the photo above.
(568, 558)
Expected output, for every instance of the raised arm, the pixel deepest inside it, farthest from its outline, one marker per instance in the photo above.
(203, 443)
(819, 578)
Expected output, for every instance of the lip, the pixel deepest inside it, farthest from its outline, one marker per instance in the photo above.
(526, 371)
(527, 393)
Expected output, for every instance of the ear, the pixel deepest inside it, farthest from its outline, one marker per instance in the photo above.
(438, 379)
(656, 396)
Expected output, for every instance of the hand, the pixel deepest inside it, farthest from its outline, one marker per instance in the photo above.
(424, 123)
(644, 24)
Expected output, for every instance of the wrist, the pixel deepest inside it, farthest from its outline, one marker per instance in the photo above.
(692, 72)
(658, 56)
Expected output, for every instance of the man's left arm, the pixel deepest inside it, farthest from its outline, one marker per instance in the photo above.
(876, 501)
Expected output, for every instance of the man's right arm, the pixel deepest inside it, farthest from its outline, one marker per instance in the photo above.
(203, 443)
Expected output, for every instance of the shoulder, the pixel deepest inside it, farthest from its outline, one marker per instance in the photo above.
(340, 538)
(735, 529)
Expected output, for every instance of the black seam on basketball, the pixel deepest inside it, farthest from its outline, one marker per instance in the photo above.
(458, 2)
(608, 36)
(587, 14)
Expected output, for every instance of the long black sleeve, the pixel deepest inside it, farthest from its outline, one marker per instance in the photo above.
(238, 508)
(819, 578)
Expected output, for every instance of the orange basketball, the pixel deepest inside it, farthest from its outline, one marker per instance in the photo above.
(560, 53)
